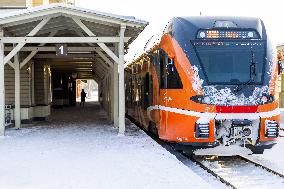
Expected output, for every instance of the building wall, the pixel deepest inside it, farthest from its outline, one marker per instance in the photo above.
(42, 2)
(281, 80)
(104, 87)
(56, 1)
(37, 3)
(26, 90)
(32, 3)
(12, 3)
(26, 86)
(35, 91)
(42, 84)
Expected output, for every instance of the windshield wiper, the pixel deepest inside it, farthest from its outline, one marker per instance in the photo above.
(252, 73)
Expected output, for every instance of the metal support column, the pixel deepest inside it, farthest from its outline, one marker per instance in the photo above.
(121, 105)
(2, 88)
(17, 112)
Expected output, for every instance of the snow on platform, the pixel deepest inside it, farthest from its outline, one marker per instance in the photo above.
(78, 148)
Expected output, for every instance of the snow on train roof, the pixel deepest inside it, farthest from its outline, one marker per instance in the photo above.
(4, 18)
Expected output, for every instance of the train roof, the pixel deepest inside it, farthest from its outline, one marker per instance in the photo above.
(207, 22)
(194, 23)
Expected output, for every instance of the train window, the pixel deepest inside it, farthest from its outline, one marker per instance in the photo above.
(139, 88)
(142, 94)
(150, 90)
(157, 64)
(145, 92)
(163, 71)
(169, 77)
(132, 90)
(129, 100)
(173, 79)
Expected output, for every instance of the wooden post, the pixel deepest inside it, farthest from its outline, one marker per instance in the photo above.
(121, 105)
(2, 88)
(115, 91)
(17, 112)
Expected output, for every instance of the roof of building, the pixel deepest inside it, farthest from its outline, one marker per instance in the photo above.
(59, 6)
(20, 22)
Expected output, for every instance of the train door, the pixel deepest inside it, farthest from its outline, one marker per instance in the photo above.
(163, 92)
(145, 96)
(151, 89)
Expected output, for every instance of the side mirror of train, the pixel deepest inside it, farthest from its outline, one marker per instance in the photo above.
(280, 66)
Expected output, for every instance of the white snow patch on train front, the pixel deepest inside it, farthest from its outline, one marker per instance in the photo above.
(196, 81)
(227, 97)
(222, 150)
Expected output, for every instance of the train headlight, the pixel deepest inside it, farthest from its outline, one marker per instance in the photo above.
(250, 34)
(202, 130)
(271, 129)
(202, 34)
(264, 99)
(206, 100)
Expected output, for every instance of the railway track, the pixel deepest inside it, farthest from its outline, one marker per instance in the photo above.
(236, 172)
(239, 172)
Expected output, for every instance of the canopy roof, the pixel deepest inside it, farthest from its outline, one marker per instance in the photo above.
(19, 23)
(69, 21)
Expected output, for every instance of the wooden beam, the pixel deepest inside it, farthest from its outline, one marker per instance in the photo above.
(90, 33)
(83, 26)
(11, 64)
(24, 40)
(109, 52)
(53, 49)
(33, 53)
(69, 56)
(105, 58)
(13, 52)
(27, 59)
(21, 44)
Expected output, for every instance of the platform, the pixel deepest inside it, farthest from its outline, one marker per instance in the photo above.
(78, 148)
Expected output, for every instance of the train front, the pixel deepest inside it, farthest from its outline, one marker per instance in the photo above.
(232, 73)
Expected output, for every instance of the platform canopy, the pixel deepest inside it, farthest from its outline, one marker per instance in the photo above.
(96, 43)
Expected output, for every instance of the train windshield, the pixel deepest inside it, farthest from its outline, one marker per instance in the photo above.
(231, 62)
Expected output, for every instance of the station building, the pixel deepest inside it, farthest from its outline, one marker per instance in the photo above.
(45, 47)
(280, 48)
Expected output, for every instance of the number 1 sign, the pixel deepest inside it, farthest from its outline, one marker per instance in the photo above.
(61, 50)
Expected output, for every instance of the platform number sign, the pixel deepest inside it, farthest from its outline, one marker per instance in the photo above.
(61, 50)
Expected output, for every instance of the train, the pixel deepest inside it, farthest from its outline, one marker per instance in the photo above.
(208, 81)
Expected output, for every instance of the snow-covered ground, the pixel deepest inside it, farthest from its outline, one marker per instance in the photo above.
(275, 157)
(77, 148)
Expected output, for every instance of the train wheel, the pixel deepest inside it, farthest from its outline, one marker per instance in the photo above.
(153, 129)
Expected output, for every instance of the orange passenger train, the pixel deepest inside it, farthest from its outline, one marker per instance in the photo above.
(209, 81)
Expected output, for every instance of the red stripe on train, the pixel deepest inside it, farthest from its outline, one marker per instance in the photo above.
(236, 109)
